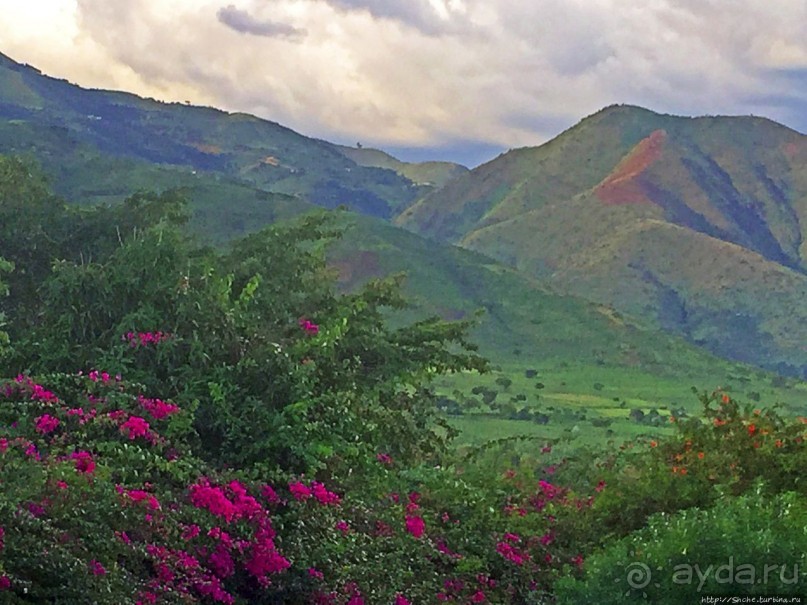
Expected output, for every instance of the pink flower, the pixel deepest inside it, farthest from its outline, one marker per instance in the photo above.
(270, 495)
(384, 459)
(401, 600)
(264, 557)
(323, 495)
(246, 505)
(32, 452)
(509, 552)
(415, 525)
(158, 408)
(84, 462)
(213, 499)
(46, 424)
(343, 526)
(5, 582)
(315, 573)
(600, 486)
(136, 427)
(190, 532)
(478, 597)
(138, 495)
(221, 562)
(299, 490)
(308, 326)
(96, 568)
(142, 339)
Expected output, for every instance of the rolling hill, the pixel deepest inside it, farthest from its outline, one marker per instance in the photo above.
(698, 225)
(256, 152)
(430, 174)
(100, 146)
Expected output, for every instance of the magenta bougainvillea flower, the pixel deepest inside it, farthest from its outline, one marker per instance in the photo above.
(415, 525)
(308, 326)
(46, 424)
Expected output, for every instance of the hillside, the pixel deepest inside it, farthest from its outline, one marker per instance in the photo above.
(697, 225)
(433, 174)
(603, 182)
(257, 152)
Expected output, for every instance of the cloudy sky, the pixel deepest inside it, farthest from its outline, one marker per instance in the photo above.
(448, 79)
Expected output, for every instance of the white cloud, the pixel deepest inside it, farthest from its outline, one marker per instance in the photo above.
(428, 72)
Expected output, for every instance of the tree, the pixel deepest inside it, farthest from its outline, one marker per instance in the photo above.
(504, 382)
(5, 266)
(286, 371)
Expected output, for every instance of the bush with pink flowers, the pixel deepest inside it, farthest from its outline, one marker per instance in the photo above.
(185, 425)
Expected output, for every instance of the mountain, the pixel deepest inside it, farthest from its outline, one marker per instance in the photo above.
(698, 225)
(256, 152)
(524, 325)
(431, 174)
(242, 173)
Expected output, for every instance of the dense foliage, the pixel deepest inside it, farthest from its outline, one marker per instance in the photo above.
(186, 425)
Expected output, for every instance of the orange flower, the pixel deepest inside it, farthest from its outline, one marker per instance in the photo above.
(683, 471)
(726, 398)
(752, 428)
(653, 443)
(757, 412)
(719, 422)
(700, 455)
(779, 443)
(675, 469)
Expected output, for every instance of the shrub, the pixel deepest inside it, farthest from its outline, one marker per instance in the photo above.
(749, 545)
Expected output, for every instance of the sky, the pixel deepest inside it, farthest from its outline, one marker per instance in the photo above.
(459, 80)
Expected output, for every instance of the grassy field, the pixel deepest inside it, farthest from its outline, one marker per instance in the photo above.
(592, 405)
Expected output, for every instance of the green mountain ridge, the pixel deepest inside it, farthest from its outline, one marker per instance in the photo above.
(696, 224)
(432, 174)
(257, 152)
(100, 146)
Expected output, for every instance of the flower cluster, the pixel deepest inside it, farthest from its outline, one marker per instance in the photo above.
(301, 492)
(158, 408)
(29, 388)
(308, 326)
(144, 339)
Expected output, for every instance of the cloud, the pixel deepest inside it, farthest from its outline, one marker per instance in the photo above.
(437, 74)
(430, 17)
(242, 21)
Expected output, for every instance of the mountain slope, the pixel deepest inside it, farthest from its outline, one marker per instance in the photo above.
(698, 225)
(258, 152)
(432, 174)
(523, 322)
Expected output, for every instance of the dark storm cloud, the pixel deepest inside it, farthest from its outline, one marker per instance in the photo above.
(241, 21)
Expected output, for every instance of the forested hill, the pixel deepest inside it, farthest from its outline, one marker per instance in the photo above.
(59, 122)
(696, 224)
